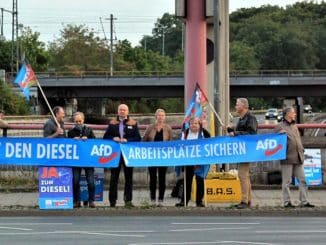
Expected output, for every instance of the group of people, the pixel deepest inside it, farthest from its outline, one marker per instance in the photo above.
(124, 129)
(291, 166)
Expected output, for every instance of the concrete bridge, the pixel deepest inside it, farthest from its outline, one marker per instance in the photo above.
(263, 84)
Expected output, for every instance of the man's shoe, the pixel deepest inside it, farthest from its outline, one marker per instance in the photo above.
(91, 204)
(160, 203)
(85, 203)
(200, 205)
(112, 204)
(129, 204)
(307, 205)
(242, 205)
(288, 205)
(77, 205)
(180, 204)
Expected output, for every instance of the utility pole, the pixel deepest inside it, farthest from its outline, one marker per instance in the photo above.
(2, 22)
(14, 36)
(111, 45)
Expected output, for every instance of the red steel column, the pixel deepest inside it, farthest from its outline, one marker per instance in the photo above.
(195, 48)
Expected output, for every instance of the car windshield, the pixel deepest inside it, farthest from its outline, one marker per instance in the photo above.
(272, 110)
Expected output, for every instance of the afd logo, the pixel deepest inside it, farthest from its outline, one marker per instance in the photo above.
(104, 152)
(270, 146)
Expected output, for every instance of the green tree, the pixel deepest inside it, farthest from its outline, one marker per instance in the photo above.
(171, 27)
(5, 55)
(10, 102)
(33, 49)
(78, 49)
(242, 57)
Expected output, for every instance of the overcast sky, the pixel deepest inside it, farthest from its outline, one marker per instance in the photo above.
(134, 18)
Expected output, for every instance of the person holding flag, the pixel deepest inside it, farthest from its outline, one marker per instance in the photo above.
(195, 131)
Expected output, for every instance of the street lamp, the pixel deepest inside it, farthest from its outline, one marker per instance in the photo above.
(22, 53)
(163, 29)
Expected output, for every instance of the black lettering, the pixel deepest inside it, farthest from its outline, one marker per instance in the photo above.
(229, 191)
(219, 191)
(209, 191)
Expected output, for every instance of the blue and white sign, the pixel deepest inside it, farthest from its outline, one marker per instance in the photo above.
(59, 152)
(55, 188)
(245, 148)
(99, 185)
(312, 167)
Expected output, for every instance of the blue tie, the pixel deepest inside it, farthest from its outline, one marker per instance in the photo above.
(121, 129)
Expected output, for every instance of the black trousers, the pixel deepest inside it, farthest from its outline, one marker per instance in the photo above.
(113, 190)
(155, 172)
(199, 185)
(89, 172)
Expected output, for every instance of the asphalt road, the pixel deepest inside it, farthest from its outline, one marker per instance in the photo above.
(170, 230)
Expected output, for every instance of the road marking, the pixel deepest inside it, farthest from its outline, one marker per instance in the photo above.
(198, 243)
(35, 224)
(296, 231)
(215, 223)
(211, 229)
(13, 228)
(67, 232)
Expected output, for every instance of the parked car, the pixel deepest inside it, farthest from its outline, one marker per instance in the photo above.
(280, 116)
(307, 108)
(271, 113)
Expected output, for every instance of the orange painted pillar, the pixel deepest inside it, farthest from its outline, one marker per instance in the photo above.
(195, 48)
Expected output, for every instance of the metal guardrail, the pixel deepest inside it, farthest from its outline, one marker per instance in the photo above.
(233, 73)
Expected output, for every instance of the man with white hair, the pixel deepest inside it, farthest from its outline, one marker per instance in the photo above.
(122, 129)
(247, 124)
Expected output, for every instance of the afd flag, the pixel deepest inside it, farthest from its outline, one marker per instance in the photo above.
(59, 152)
(25, 79)
(240, 149)
(197, 107)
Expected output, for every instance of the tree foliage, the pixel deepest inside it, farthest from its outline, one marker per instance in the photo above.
(79, 49)
(33, 49)
(280, 38)
(10, 102)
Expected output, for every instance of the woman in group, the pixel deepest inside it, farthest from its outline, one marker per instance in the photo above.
(158, 131)
(195, 131)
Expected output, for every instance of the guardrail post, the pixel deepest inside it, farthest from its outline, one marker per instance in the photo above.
(4, 132)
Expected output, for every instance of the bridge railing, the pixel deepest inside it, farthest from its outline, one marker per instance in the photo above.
(133, 73)
(278, 73)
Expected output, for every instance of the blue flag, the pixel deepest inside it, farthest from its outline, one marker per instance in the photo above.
(25, 79)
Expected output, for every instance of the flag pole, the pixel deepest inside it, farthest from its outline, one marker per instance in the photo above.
(211, 106)
(184, 187)
(47, 103)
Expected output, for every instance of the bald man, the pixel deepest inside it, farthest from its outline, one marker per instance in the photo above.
(122, 129)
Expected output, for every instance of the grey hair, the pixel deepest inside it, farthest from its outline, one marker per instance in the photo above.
(286, 110)
(78, 113)
(244, 101)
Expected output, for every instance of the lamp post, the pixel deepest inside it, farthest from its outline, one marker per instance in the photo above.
(22, 53)
(163, 28)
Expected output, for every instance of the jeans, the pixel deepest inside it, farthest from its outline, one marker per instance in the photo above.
(89, 172)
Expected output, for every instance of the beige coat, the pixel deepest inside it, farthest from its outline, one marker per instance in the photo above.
(3, 124)
(294, 150)
(151, 132)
